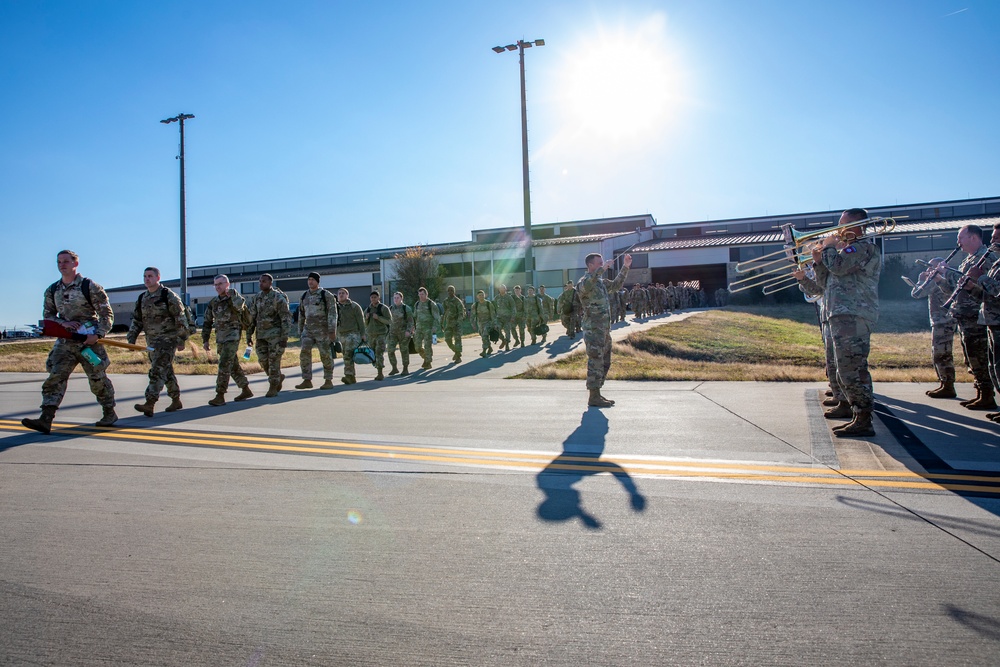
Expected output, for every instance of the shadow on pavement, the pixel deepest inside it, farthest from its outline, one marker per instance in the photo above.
(984, 625)
(945, 521)
(581, 457)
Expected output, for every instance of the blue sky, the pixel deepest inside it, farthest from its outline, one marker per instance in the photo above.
(336, 126)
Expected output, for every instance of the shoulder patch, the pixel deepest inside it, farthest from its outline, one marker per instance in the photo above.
(850, 248)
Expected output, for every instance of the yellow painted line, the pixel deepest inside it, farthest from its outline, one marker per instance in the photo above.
(540, 461)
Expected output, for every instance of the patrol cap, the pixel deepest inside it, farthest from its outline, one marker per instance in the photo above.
(268, 276)
(313, 275)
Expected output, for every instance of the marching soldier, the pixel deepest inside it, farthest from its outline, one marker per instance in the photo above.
(350, 331)
(400, 333)
(82, 306)
(317, 327)
(548, 308)
(428, 317)
(378, 321)
(227, 313)
(484, 313)
(532, 312)
(271, 320)
(159, 313)
(451, 323)
(504, 304)
(518, 324)
(569, 312)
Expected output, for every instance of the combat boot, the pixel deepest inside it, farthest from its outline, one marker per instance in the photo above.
(828, 393)
(245, 394)
(979, 395)
(598, 401)
(327, 384)
(272, 389)
(406, 371)
(44, 422)
(993, 416)
(281, 381)
(946, 390)
(426, 365)
(108, 419)
(220, 399)
(860, 426)
(842, 411)
(145, 408)
(831, 402)
(392, 361)
(305, 384)
(457, 358)
(175, 405)
(605, 397)
(985, 401)
(347, 379)
(379, 375)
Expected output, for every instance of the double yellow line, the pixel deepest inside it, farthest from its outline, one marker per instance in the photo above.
(538, 461)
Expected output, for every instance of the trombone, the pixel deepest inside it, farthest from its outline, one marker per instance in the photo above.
(773, 272)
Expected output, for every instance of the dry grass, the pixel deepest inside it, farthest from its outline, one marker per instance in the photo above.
(772, 344)
(194, 360)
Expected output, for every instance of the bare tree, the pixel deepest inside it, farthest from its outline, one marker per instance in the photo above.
(415, 268)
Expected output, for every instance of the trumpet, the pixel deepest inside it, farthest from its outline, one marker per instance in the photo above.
(772, 272)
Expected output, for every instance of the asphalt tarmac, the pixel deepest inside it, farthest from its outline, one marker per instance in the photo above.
(455, 517)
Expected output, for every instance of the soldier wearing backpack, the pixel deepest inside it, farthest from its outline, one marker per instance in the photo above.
(228, 315)
(271, 320)
(317, 328)
(159, 314)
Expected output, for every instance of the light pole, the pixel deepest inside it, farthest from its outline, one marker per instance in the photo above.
(528, 260)
(180, 118)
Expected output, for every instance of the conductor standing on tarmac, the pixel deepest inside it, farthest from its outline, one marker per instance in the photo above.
(594, 289)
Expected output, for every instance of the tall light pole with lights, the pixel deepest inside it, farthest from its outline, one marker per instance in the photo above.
(180, 118)
(528, 259)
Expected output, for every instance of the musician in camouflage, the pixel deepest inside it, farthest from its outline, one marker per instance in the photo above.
(400, 333)
(350, 331)
(378, 321)
(936, 284)
(81, 306)
(988, 278)
(317, 328)
(227, 314)
(159, 313)
(965, 308)
(428, 317)
(271, 321)
(451, 323)
(594, 290)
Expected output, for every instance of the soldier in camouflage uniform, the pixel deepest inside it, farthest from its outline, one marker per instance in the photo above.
(484, 313)
(317, 327)
(965, 309)
(400, 332)
(271, 320)
(350, 331)
(81, 306)
(988, 278)
(160, 314)
(451, 323)
(851, 298)
(227, 313)
(566, 304)
(378, 321)
(936, 285)
(504, 304)
(636, 299)
(814, 286)
(594, 290)
(532, 312)
(428, 317)
(518, 324)
(548, 308)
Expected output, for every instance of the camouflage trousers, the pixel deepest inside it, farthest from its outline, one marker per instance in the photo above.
(942, 343)
(975, 344)
(321, 341)
(61, 363)
(229, 366)
(269, 354)
(506, 325)
(379, 345)
(598, 344)
(402, 341)
(517, 327)
(851, 344)
(994, 336)
(531, 323)
(831, 365)
(424, 340)
(453, 337)
(572, 324)
(484, 334)
(349, 341)
(161, 373)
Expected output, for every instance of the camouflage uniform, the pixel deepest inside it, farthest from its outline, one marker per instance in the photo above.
(400, 332)
(569, 313)
(594, 290)
(816, 287)
(271, 320)
(517, 325)
(943, 324)
(484, 314)
(505, 316)
(990, 283)
(428, 317)
(975, 337)
(451, 323)
(161, 315)
(225, 315)
(317, 321)
(68, 303)
(350, 334)
(851, 299)
(532, 314)
(548, 307)
(636, 299)
(377, 324)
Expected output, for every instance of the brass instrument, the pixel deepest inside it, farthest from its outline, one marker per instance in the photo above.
(773, 272)
(923, 283)
(964, 280)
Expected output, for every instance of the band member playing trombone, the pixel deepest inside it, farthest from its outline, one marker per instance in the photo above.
(813, 287)
(851, 295)
(989, 280)
(965, 308)
(936, 285)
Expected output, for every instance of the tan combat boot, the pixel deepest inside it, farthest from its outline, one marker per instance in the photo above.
(861, 426)
(175, 405)
(109, 418)
(985, 401)
(305, 384)
(598, 401)
(44, 422)
(946, 390)
(245, 394)
(220, 399)
(145, 408)
(273, 387)
(842, 411)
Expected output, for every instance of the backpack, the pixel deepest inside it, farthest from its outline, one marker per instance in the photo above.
(326, 306)
(84, 286)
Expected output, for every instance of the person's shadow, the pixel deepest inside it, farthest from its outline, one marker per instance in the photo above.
(581, 457)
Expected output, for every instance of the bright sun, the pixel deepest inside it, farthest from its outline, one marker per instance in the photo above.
(623, 86)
